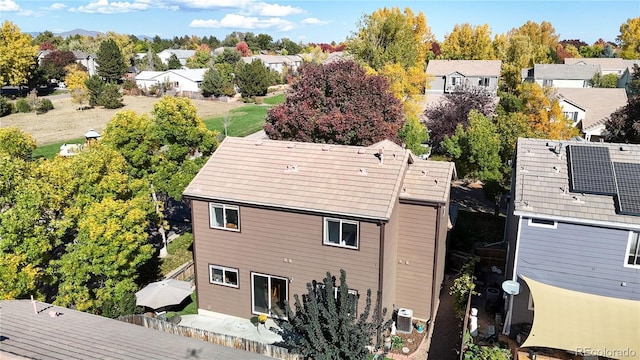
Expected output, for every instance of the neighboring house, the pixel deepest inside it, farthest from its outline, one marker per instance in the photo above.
(271, 216)
(183, 81)
(589, 108)
(607, 65)
(277, 62)
(43, 331)
(42, 54)
(445, 76)
(87, 60)
(561, 75)
(182, 55)
(337, 56)
(573, 229)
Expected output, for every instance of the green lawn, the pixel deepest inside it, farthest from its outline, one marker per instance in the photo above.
(274, 100)
(191, 308)
(50, 150)
(180, 251)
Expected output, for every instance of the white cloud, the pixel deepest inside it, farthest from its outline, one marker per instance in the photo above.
(248, 7)
(57, 6)
(8, 6)
(265, 9)
(114, 7)
(314, 21)
(243, 22)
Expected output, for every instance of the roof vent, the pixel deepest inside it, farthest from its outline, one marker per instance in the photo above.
(363, 171)
(291, 145)
(362, 151)
(435, 181)
(425, 172)
(556, 169)
(625, 148)
(326, 148)
(577, 200)
(259, 142)
(292, 168)
(380, 156)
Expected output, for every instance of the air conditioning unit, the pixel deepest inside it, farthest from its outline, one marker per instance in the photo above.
(405, 321)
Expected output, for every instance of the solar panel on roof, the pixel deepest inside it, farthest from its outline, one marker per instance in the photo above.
(628, 182)
(591, 170)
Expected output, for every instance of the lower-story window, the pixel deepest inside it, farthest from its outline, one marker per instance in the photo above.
(269, 294)
(223, 275)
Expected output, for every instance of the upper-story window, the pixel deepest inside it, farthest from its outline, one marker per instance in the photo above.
(223, 216)
(633, 252)
(456, 81)
(571, 115)
(547, 82)
(484, 81)
(543, 223)
(339, 232)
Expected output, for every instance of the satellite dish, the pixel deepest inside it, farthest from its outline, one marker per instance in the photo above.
(511, 287)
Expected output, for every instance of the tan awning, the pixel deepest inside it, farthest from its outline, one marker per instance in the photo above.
(584, 323)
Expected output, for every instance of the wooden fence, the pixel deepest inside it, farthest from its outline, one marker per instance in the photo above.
(273, 351)
(185, 272)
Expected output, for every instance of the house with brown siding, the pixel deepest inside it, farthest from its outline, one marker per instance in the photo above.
(270, 216)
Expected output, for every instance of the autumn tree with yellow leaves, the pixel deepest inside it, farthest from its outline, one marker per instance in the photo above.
(17, 55)
(395, 44)
(468, 42)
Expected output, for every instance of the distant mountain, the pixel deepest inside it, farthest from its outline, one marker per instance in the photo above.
(82, 32)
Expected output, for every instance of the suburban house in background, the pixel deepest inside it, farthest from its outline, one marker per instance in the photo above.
(444, 76)
(87, 60)
(182, 55)
(185, 82)
(271, 216)
(561, 75)
(573, 226)
(590, 107)
(607, 65)
(277, 62)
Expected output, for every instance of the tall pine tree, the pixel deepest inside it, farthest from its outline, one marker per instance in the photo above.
(111, 65)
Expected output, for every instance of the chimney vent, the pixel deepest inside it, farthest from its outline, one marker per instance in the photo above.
(259, 142)
(291, 145)
(326, 148)
(363, 171)
(362, 151)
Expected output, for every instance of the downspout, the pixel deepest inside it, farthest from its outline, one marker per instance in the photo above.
(435, 265)
(381, 264)
(193, 250)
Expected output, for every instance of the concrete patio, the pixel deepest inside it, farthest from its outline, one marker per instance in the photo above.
(233, 326)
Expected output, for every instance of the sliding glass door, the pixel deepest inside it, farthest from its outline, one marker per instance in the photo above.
(269, 294)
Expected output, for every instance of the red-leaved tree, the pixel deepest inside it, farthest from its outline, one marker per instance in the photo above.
(336, 103)
(54, 63)
(243, 49)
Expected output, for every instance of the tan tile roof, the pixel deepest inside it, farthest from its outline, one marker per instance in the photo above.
(541, 177)
(329, 179)
(464, 67)
(77, 335)
(428, 180)
(598, 103)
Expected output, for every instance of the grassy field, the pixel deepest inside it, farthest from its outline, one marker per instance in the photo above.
(245, 120)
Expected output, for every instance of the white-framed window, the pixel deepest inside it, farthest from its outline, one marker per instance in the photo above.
(222, 275)
(343, 233)
(223, 216)
(571, 115)
(268, 295)
(547, 82)
(456, 80)
(545, 223)
(483, 81)
(633, 250)
(530, 304)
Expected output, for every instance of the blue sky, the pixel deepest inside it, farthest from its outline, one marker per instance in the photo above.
(311, 20)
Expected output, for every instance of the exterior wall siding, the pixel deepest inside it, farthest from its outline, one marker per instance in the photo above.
(277, 243)
(416, 246)
(437, 84)
(443, 231)
(390, 263)
(577, 257)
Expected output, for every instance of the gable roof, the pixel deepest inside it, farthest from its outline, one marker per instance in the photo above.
(77, 335)
(565, 71)
(605, 63)
(274, 59)
(541, 184)
(319, 178)
(148, 75)
(180, 53)
(599, 103)
(464, 67)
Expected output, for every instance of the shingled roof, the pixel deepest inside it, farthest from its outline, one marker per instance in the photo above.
(464, 67)
(541, 184)
(355, 181)
(25, 334)
(598, 103)
(565, 71)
